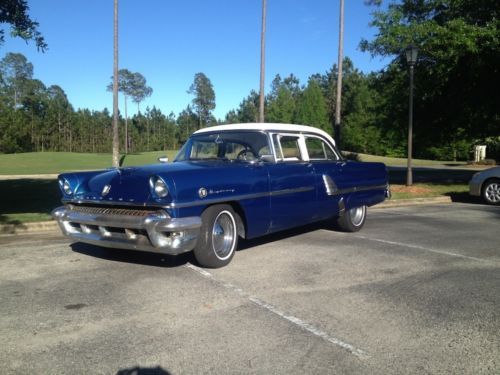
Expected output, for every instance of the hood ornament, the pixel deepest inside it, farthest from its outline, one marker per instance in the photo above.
(105, 190)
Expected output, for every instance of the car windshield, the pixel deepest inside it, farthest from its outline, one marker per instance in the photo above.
(231, 146)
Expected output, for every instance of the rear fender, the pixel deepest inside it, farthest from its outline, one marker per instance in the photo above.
(364, 198)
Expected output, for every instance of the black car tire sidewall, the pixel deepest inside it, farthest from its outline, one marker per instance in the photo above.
(345, 224)
(204, 251)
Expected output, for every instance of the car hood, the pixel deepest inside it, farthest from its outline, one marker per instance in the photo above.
(131, 185)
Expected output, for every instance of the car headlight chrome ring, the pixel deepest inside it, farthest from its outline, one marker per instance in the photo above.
(65, 187)
(159, 187)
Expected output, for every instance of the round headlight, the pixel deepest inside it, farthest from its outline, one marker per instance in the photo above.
(66, 188)
(160, 188)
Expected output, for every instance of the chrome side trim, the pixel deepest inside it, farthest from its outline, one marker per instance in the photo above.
(291, 191)
(240, 197)
(331, 188)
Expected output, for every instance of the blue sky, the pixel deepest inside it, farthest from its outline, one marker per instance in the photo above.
(169, 41)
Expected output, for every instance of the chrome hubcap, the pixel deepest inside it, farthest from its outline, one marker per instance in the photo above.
(492, 192)
(357, 215)
(224, 235)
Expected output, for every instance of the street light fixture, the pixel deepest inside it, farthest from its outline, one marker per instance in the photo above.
(411, 59)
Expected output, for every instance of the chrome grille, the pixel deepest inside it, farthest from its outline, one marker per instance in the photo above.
(92, 210)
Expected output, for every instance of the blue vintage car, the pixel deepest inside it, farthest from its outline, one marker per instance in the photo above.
(226, 182)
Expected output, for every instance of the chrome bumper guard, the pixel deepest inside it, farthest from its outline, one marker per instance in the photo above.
(153, 232)
(388, 193)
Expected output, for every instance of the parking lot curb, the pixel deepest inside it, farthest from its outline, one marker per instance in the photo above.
(23, 228)
(413, 202)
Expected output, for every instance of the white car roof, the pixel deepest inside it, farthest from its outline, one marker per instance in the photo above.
(268, 127)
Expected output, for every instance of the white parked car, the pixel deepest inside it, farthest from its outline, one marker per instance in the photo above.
(487, 185)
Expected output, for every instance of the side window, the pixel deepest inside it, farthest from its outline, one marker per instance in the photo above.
(330, 155)
(315, 148)
(319, 150)
(289, 147)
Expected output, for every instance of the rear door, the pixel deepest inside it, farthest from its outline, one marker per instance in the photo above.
(327, 167)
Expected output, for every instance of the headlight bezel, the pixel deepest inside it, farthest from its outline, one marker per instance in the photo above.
(158, 187)
(65, 187)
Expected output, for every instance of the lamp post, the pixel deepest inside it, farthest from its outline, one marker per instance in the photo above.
(411, 59)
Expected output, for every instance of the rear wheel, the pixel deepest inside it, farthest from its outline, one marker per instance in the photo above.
(491, 191)
(218, 236)
(352, 220)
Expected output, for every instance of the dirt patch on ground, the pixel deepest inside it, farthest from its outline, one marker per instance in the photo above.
(410, 189)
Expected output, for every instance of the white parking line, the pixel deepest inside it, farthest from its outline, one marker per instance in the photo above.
(290, 318)
(442, 252)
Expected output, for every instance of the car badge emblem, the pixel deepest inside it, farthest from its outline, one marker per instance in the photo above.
(202, 192)
(105, 190)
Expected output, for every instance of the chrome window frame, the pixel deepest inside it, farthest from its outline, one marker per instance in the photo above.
(325, 141)
(300, 143)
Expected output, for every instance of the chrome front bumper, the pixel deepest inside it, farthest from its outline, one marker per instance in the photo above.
(154, 232)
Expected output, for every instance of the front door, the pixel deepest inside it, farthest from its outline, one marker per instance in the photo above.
(292, 185)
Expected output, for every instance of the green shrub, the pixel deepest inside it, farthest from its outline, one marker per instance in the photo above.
(493, 148)
(484, 162)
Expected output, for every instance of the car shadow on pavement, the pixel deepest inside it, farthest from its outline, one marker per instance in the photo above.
(130, 256)
(170, 261)
(465, 197)
(247, 244)
(143, 371)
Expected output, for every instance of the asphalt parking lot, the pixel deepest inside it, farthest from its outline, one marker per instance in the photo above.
(416, 291)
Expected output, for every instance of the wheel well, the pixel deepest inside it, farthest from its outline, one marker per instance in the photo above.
(242, 223)
(485, 182)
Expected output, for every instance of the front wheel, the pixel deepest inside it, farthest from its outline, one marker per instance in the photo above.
(352, 220)
(218, 236)
(491, 191)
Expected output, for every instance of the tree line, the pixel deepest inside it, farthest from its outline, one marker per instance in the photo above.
(456, 99)
(34, 117)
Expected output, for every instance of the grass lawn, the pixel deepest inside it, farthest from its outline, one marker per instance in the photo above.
(423, 190)
(27, 200)
(402, 162)
(57, 162)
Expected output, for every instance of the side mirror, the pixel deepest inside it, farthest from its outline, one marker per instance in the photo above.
(267, 158)
(163, 159)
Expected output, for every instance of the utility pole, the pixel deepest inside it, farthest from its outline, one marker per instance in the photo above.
(338, 102)
(126, 125)
(411, 58)
(116, 139)
(262, 61)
